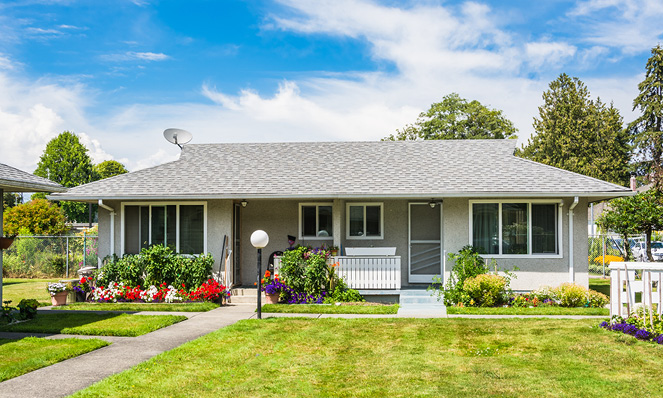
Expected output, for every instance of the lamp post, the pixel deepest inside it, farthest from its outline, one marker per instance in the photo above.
(259, 239)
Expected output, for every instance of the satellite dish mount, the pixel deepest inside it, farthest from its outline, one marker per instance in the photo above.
(177, 136)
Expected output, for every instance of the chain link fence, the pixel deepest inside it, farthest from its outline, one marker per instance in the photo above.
(49, 256)
(604, 249)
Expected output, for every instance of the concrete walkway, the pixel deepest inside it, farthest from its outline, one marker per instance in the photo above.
(126, 352)
(66, 377)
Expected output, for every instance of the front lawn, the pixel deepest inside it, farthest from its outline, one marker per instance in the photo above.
(18, 357)
(391, 357)
(527, 311)
(330, 309)
(16, 289)
(94, 324)
(138, 307)
(600, 285)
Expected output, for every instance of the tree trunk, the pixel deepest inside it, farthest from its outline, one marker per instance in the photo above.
(650, 258)
(627, 248)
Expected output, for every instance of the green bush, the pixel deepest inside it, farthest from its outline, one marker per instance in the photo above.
(28, 308)
(486, 290)
(342, 294)
(155, 265)
(597, 300)
(467, 264)
(306, 271)
(571, 295)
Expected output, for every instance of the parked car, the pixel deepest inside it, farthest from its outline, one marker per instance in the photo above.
(639, 251)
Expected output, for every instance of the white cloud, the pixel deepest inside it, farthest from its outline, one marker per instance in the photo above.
(549, 53)
(135, 56)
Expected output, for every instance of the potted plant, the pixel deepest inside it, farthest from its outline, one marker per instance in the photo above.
(83, 288)
(334, 251)
(58, 291)
(272, 288)
(6, 241)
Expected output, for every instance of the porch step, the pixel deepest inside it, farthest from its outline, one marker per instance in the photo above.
(245, 295)
(420, 303)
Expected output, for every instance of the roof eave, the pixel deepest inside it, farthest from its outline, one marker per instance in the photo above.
(25, 186)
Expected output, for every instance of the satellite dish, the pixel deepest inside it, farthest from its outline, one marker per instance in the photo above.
(177, 136)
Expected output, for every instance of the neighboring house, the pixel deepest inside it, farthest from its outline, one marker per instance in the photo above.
(423, 198)
(15, 180)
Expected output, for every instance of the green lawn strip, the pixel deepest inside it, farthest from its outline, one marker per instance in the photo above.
(600, 285)
(329, 309)
(527, 311)
(138, 307)
(18, 357)
(334, 357)
(16, 289)
(107, 324)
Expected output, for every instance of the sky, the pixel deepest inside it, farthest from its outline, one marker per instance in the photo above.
(118, 73)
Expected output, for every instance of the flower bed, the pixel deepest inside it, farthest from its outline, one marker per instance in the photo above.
(118, 292)
(643, 324)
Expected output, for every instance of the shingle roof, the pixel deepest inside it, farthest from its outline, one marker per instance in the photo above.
(15, 180)
(477, 168)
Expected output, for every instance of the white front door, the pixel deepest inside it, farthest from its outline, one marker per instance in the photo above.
(425, 242)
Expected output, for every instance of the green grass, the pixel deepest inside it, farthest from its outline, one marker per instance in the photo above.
(16, 289)
(137, 307)
(600, 285)
(527, 311)
(329, 309)
(107, 324)
(18, 357)
(392, 357)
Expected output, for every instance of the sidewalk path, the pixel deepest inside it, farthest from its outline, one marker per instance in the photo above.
(124, 353)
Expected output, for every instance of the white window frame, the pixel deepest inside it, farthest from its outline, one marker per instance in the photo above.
(560, 234)
(317, 221)
(364, 204)
(177, 221)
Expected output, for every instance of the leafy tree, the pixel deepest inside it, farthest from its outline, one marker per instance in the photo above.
(456, 118)
(642, 213)
(575, 133)
(647, 130)
(109, 168)
(11, 199)
(39, 216)
(65, 161)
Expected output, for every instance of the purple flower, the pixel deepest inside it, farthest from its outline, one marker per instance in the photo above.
(642, 334)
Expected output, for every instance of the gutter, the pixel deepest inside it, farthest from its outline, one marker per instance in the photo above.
(573, 206)
(112, 227)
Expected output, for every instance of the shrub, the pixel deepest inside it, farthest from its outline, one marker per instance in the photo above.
(306, 271)
(597, 300)
(343, 294)
(38, 216)
(572, 295)
(485, 290)
(28, 308)
(467, 264)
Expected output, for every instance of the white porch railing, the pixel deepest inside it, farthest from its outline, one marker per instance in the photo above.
(625, 282)
(361, 272)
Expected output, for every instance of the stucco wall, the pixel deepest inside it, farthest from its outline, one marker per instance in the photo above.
(532, 272)
(219, 224)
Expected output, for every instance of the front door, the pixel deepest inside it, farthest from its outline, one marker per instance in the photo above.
(425, 242)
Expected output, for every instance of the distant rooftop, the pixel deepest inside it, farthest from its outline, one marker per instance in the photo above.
(391, 169)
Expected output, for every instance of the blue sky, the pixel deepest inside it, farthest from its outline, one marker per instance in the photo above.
(118, 73)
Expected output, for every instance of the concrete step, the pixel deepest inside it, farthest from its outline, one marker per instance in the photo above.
(419, 300)
(245, 295)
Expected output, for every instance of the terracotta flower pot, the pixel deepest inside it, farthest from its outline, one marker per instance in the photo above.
(60, 298)
(5, 243)
(272, 298)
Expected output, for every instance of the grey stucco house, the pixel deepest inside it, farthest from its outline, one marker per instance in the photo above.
(420, 198)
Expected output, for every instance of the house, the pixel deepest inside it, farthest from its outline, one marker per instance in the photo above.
(403, 205)
(15, 180)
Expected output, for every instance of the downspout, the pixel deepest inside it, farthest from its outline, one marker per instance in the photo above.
(573, 206)
(112, 225)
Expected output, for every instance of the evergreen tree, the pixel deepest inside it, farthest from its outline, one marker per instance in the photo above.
(647, 130)
(575, 133)
(454, 118)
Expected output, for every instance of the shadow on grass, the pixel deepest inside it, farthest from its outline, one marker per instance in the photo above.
(56, 322)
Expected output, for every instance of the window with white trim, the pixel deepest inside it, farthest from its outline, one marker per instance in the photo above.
(178, 226)
(515, 228)
(364, 221)
(316, 221)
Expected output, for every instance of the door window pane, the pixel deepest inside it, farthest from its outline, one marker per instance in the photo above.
(171, 226)
(144, 227)
(514, 228)
(158, 225)
(485, 229)
(544, 229)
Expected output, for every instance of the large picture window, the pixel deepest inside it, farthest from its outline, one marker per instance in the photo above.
(515, 228)
(316, 221)
(364, 221)
(178, 226)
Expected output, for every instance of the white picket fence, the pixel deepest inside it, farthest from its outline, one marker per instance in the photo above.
(629, 278)
(359, 272)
